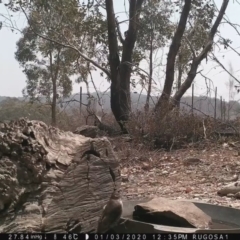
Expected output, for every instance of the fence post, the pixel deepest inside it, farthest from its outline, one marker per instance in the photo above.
(215, 107)
(80, 107)
(221, 106)
(192, 96)
(224, 110)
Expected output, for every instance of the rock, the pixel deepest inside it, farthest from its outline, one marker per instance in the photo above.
(225, 145)
(124, 178)
(165, 172)
(127, 138)
(191, 161)
(87, 131)
(106, 129)
(230, 188)
(188, 190)
(175, 213)
(146, 166)
(237, 195)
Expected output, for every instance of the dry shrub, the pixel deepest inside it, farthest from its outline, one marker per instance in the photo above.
(109, 119)
(173, 130)
(71, 119)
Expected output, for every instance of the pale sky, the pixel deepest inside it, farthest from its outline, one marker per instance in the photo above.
(13, 80)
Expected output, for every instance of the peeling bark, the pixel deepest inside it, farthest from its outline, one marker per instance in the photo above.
(53, 181)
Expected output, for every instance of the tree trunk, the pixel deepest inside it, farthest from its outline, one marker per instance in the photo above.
(195, 63)
(150, 74)
(53, 181)
(121, 102)
(121, 69)
(54, 105)
(179, 80)
(54, 76)
(173, 51)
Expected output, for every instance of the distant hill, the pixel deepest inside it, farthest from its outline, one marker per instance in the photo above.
(2, 98)
(202, 104)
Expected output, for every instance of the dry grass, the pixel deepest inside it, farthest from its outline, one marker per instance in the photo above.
(173, 131)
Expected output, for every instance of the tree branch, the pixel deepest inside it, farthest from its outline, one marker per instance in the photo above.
(67, 46)
(134, 11)
(228, 45)
(219, 19)
(191, 47)
(119, 32)
(173, 51)
(212, 32)
(195, 63)
(224, 68)
(114, 60)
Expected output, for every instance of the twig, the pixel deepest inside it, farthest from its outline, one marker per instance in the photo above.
(173, 141)
(204, 130)
(191, 47)
(223, 67)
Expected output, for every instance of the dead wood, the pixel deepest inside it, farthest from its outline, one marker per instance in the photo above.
(53, 181)
(192, 161)
(87, 131)
(232, 188)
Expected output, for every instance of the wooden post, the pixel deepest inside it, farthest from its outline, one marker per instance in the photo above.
(192, 96)
(224, 110)
(80, 107)
(200, 104)
(221, 106)
(215, 105)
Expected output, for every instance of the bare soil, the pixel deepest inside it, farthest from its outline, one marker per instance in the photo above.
(157, 173)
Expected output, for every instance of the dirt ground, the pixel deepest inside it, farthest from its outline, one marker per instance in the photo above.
(154, 173)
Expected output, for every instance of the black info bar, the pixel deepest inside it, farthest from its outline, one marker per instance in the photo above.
(116, 236)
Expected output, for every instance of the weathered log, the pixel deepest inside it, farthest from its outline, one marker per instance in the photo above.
(53, 181)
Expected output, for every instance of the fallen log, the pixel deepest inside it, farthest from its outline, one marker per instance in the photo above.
(53, 181)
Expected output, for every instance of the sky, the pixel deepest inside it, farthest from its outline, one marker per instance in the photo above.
(12, 79)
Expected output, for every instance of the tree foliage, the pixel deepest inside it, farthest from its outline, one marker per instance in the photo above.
(155, 25)
(44, 63)
(49, 65)
(196, 33)
(154, 33)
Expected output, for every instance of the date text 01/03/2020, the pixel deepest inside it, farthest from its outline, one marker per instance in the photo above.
(156, 236)
(164, 236)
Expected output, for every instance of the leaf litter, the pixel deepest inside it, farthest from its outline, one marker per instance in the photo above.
(195, 173)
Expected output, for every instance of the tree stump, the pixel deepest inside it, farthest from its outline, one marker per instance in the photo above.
(53, 181)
